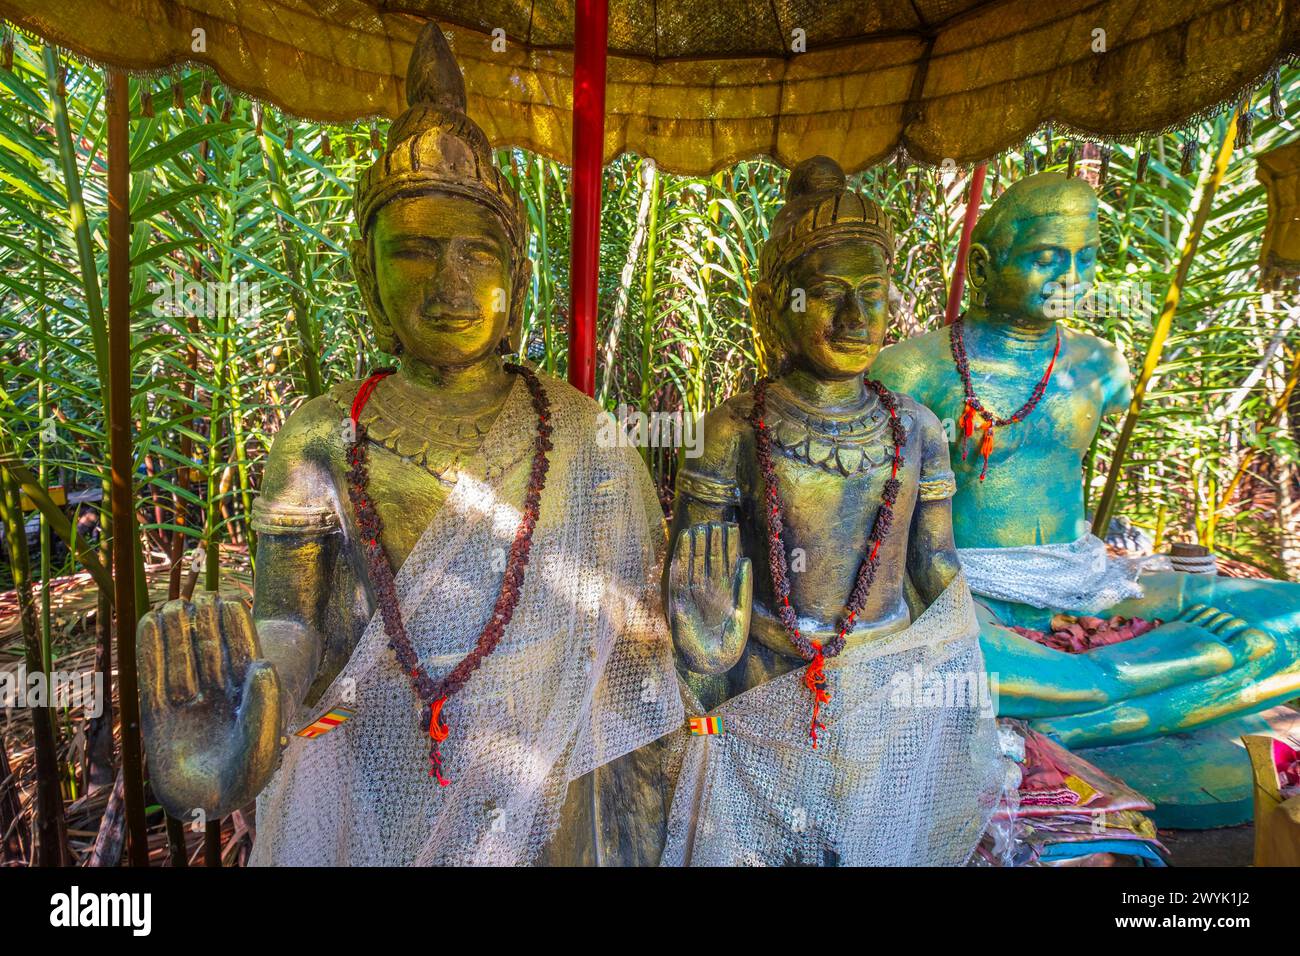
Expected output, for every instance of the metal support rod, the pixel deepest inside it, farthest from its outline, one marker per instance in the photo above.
(963, 247)
(591, 35)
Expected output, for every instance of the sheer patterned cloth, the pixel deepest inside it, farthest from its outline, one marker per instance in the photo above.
(582, 676)
(1079, 576)
(908, 771)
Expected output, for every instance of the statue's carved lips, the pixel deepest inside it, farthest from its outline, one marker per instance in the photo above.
(454, 321)
(855, 338)
(1068, 296)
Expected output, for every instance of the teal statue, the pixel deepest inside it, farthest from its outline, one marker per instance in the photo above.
(1022, 395)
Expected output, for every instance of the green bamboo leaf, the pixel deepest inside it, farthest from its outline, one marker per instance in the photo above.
(185, 139)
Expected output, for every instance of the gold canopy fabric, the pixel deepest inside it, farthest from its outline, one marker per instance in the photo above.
(699, 85)
(1279, 258)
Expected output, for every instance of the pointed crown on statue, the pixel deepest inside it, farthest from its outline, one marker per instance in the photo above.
(435, 146)
(821, 208)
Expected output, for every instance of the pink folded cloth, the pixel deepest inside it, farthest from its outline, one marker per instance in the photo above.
(1287, 761)
(1048, 798)
(1052, 778)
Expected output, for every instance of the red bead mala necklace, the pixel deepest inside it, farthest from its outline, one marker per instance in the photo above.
(972, 406)
(434, 693)
(812, 651)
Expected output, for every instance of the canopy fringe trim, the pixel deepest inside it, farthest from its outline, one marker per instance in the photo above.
(904, 149)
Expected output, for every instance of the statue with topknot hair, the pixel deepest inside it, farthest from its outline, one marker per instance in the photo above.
(455, 653)
(812, 574)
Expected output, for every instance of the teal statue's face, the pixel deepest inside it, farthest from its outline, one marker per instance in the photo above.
(442, 270)
(1048, 269)
(843, 290)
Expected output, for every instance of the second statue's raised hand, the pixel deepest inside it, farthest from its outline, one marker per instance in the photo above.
(710, 593)
(210, 706)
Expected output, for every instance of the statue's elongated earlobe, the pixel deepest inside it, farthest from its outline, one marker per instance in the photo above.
(519, 292)
(978, 262)
(760, 308)
(763, 308)
(385, 338)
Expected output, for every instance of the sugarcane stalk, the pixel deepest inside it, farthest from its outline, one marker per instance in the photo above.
(545, 290)
(283, 201)
(79, 222)
(623, 296)
(100, 744)
(239, 440)
(42, 451)
(125, 538)
(1248, 455)
(1160, 334)
(51, 830)
(648, 304)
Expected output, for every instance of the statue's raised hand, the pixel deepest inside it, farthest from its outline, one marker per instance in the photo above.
(210, 705)
(710, 590)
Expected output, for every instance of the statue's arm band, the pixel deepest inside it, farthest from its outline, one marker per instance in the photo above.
(706, 490)
(937, 487)
(293, 519)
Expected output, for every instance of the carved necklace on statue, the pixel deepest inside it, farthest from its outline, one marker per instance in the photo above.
(856, 442)
(415, 429)
(812, 651)
(435, 693)
(972, 407)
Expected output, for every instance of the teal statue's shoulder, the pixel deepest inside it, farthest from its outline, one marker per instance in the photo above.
(1100, 357)
(1104, 361)
(926, 345)
(1083, 345)
(904, 366)
(925, 342)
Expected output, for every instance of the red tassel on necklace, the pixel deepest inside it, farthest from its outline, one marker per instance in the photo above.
(438, 732)
(967, 426)
(814, 678)
(986, 447)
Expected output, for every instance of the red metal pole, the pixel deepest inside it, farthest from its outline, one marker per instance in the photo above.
(591, 36)
(967, 226)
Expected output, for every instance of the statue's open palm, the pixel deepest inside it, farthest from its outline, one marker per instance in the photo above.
(210, 705)
(710, 592)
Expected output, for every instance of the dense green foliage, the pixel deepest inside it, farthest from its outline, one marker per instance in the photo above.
(220, 196)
